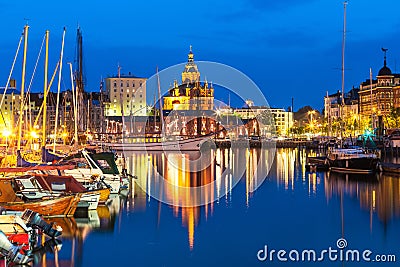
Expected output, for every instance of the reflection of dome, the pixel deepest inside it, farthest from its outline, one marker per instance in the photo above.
(384, 71)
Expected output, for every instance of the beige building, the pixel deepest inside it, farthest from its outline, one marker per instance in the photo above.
(126, 96)
(10, 107)
(379, 96)
(333, 108)
(283, 119)
(376, 96)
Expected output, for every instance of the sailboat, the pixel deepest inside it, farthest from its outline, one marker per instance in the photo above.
(351, 159)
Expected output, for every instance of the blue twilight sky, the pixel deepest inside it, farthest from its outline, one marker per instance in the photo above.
(289, 48)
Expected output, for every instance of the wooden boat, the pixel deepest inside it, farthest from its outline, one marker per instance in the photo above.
(61, 206)
(38, 186)
(157, 144)
(69, 184)
(352, 160)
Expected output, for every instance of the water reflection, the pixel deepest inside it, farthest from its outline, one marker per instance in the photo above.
(289, 170)
(288, 180)
(217, 174)
(70, 248)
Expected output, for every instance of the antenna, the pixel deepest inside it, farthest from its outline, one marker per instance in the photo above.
(343, 47)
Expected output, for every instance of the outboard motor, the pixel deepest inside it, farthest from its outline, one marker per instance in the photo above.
(34, 220)
(11, 252)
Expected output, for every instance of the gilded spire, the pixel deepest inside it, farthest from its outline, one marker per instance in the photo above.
(190, 55)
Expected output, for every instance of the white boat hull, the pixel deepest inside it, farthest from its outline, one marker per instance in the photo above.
(92, 200)
(191, 144)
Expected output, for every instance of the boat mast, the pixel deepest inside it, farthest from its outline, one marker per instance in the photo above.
(58, 91)
(343, 47)
(343, 51)
(74, 103)
(46, 60)
(121, 102)
(370, 84)
(79, 79)
(21, 108)
(160, 103)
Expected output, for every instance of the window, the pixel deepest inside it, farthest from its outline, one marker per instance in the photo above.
(122, 84)
(133, 84)
(115, 84)
(127, 84)
(115, 111)
(127, 95)
(115, 90)
(141, 96)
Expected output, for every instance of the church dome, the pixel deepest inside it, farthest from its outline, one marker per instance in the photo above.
(384, 71)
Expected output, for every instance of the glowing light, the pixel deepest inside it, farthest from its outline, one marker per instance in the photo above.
(34, 134)
(6, 133)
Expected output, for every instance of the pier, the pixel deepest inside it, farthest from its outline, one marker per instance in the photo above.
(220, 143)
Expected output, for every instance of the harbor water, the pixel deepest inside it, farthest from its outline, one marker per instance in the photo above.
(292, 210)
